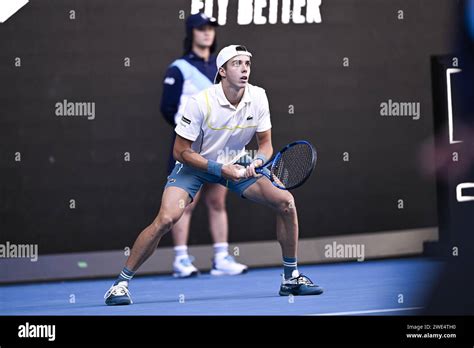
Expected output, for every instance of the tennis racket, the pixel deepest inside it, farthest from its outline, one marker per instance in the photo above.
(242, 158)
(290, 167)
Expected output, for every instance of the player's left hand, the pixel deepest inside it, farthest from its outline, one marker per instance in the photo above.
(250, 170)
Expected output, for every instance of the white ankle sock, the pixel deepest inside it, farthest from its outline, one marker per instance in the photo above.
(181, 252)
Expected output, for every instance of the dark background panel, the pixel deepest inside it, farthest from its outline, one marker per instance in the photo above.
(335, 107)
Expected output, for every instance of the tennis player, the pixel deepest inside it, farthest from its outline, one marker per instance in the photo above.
(224, 116)
(186, 76)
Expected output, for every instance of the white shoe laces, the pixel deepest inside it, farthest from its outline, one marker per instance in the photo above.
(300, 279)
(117, 290)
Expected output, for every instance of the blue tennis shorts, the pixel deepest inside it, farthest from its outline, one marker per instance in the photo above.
(191, 180)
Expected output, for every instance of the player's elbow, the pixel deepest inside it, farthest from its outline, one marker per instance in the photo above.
(177, 153)
(182, 150)
(179, 147)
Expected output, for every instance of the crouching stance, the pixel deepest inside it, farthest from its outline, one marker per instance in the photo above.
(218, 121)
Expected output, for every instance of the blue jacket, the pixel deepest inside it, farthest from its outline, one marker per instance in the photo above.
(185, 77)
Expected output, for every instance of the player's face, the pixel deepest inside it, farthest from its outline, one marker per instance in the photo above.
(204, 36)
(237, 71)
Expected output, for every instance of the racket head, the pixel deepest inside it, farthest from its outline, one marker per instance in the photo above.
(293, 165)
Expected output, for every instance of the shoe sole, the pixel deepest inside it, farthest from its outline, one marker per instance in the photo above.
(218, 273)
(287, 293)
(120, 303)
(191, 275)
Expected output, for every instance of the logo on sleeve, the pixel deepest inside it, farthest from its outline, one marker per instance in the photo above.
(169, 81)
(249, 118)
(186, 120)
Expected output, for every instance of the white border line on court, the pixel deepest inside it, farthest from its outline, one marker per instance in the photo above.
(371, 311)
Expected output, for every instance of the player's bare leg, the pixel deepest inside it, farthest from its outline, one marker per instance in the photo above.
(173, 203)
(263, 192)
(283, 203)
(180, 230)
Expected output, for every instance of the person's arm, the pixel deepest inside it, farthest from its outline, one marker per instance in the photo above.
(264, 153)
(183, 153)
(264, 137)
(170, 98)
(265, 147)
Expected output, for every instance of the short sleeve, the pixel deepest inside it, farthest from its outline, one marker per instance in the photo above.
(189, 124)
(264, 122)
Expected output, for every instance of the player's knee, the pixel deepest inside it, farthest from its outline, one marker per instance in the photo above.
(216, 204)
(163, 224)
(286, 204)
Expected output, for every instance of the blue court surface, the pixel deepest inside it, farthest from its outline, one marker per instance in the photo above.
(379, 287)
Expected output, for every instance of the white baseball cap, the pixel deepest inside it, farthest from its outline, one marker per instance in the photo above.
(227, 53)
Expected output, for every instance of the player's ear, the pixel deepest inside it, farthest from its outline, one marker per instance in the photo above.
(222, 72)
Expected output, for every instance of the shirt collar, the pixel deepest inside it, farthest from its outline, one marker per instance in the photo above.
(223, 100)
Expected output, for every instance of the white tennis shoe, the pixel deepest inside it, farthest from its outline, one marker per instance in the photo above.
(183, 267)
(227, 266)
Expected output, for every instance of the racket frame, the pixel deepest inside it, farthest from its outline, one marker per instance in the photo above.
(266, 169)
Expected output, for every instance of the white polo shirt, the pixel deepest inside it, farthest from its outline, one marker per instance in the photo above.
(219, 130)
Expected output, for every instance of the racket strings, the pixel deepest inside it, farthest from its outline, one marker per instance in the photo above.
(294, 165)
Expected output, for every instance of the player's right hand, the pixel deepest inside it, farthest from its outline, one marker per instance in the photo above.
(250, 170)
(232, 172)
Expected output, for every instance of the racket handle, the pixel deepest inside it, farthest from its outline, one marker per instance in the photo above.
(242, 171)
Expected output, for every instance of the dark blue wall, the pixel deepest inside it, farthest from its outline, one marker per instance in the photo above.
(335, 107)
